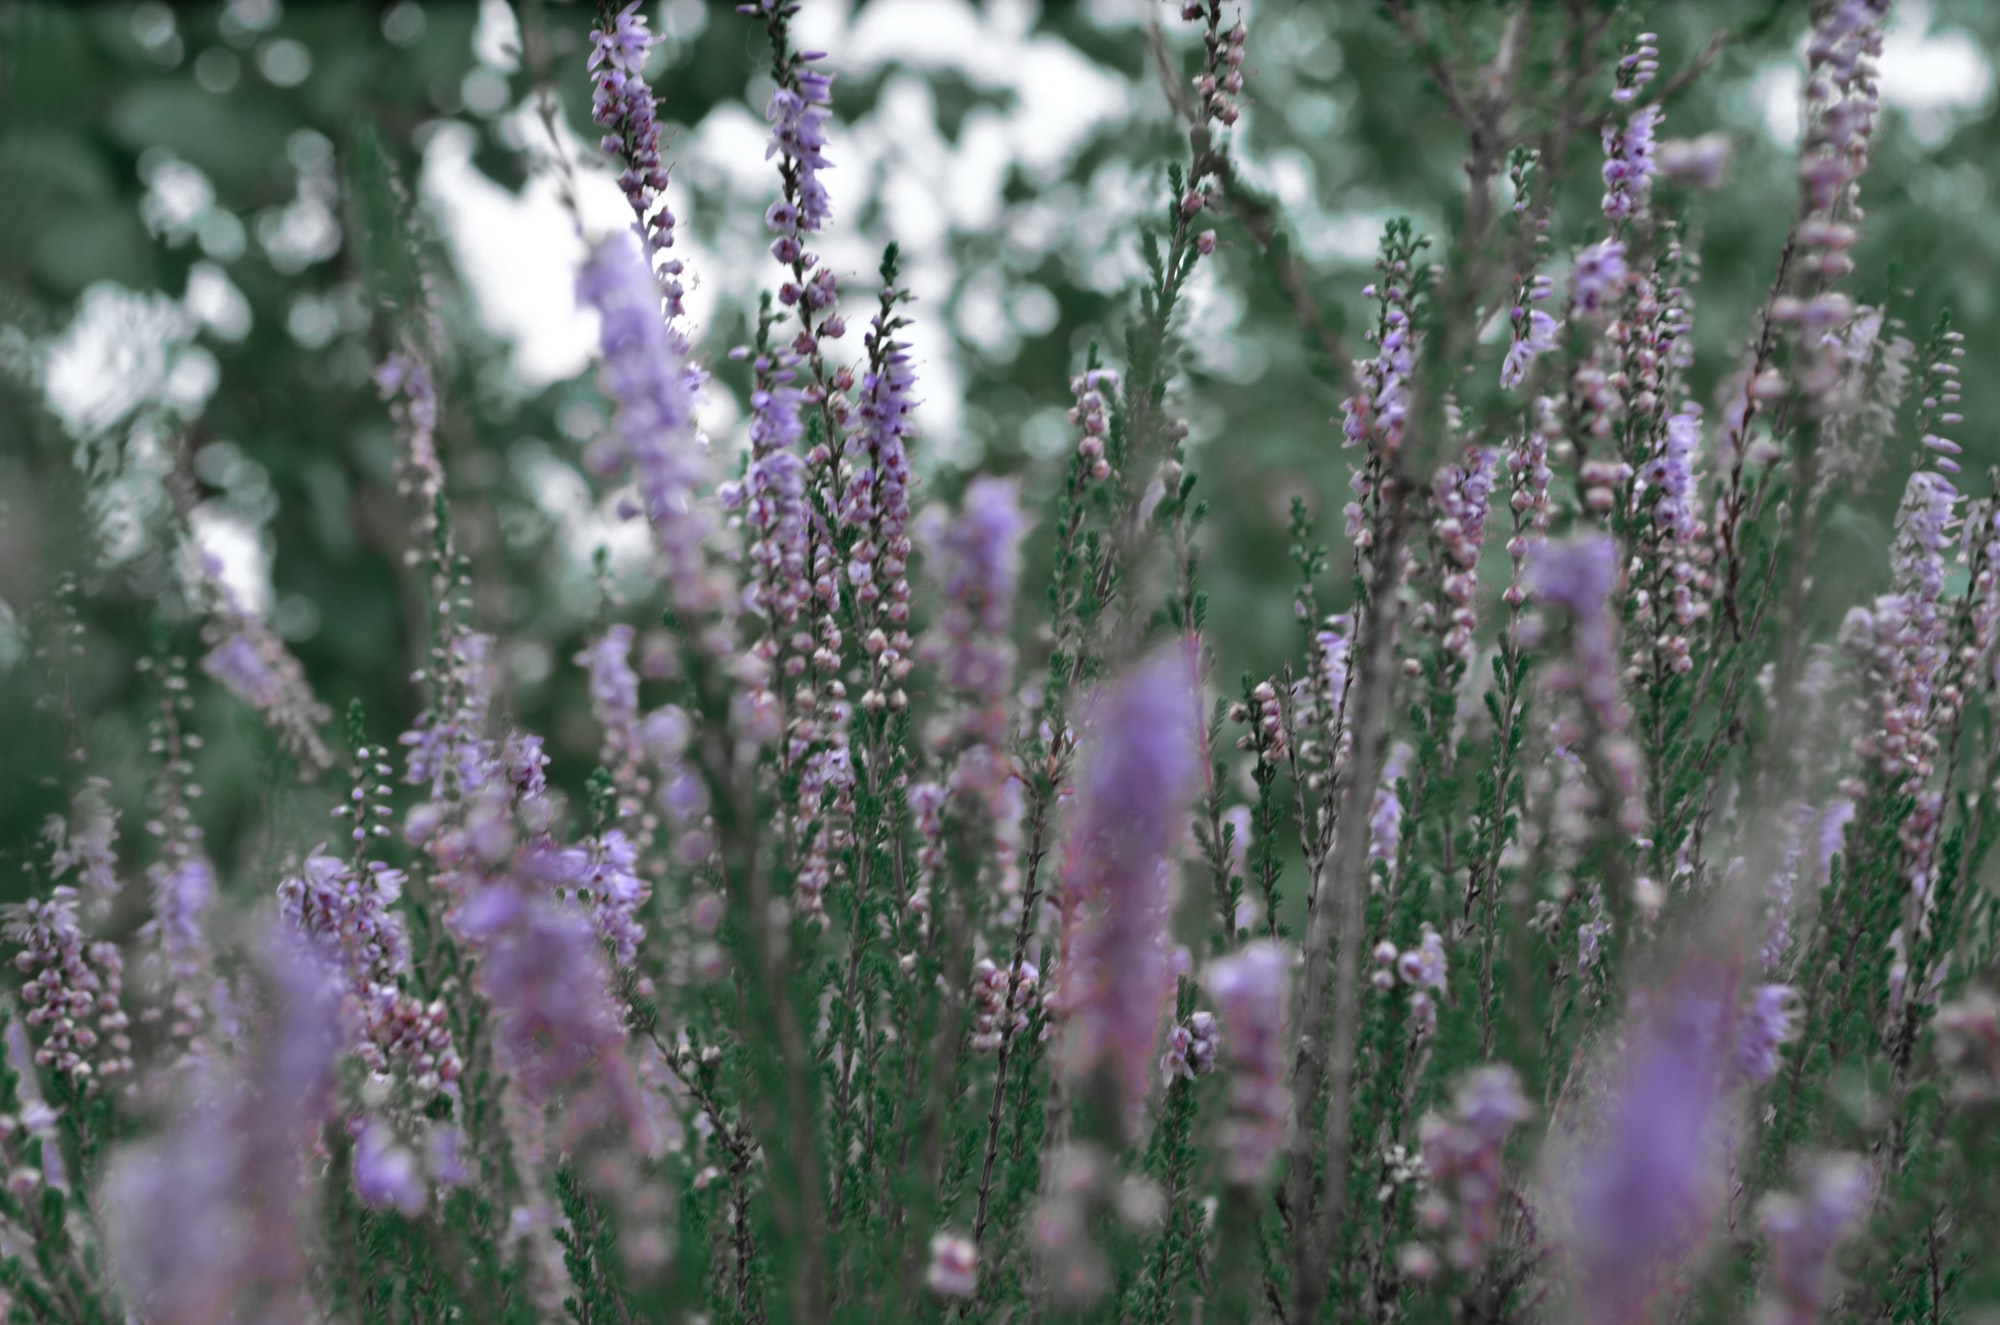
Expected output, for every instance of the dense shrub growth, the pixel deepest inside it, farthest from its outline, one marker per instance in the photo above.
(1571, 926)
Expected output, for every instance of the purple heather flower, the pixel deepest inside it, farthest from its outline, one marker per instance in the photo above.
(1696, 161)
(446, 1158)
(448, 748)
(1783, 884)
(877, 495)
(978, 560)
(797, 113)
(1599, 276)
(622, 104)
(999, 1004)
(1248, 987)
(1375, 415)
(1462, 496)
(1191, 1049)
(1534, 334)
(348, 916)
(1807, 1228)
(647, 372)
(86, 842)
(352, 915)
(543, 973)
(614, 686)
(1766, 1024)
(1671, 474)
(71, 990)
(1424, 965)
(954, 1267)
(1385, 821)
(1462, 1153)
(1629, 164)
(616, 894)
(774, 494)
(1905, 633)
(252, 663)
(386, 1174)
(1577, 576)
(1643, 1193)
(1141, 768)
(206, 1224)
(177, 938)
(236, 663)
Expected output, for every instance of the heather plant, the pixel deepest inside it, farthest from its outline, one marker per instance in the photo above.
(1588, 917)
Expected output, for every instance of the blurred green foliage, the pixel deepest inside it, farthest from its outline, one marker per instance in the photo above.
(1345, 127)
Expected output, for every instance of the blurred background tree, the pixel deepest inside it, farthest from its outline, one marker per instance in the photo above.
(196, 279)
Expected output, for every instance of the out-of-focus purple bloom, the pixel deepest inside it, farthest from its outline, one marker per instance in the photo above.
(1695, 161)
(1577, 576)
(1462, 1153)
(1141, 768)
(1424, 965)
(1783, 886)
(977, 558)
(206, 1224)
(954, 1267)
(252, 664)
(1766, 1024)
(236, 663)
(386, 1174)
(71, 990)
(646, 371)
(1385, 820)
(446, 1156)
(1642, 1195)
(1599, 276)
(86, 842)
(1968, 1046)
(1248, 987)
(1807, 1228)
(541, 970)
(177, 936)
(999, 1004)
(614, 686)
(1842, 99)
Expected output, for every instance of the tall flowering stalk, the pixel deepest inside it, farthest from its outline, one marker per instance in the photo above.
(622, 104)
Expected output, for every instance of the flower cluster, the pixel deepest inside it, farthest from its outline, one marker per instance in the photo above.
(71, 990)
